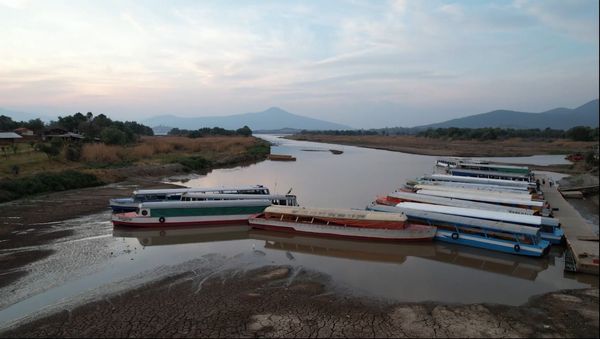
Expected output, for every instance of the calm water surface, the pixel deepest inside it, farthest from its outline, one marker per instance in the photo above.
(98, 260)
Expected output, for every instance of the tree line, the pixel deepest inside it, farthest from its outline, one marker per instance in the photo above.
(89, 126)
(207, 131)
(578, 133)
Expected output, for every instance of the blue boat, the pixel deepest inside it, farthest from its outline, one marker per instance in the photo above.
(487, 234)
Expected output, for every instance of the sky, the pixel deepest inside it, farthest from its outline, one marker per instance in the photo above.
(365, 64)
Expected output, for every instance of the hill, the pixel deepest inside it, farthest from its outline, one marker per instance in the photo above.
(558, 118)
(273, 118)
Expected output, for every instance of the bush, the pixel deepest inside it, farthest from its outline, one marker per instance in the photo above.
(73, 153)
(51, 150)
(46, 182)
(113, 136)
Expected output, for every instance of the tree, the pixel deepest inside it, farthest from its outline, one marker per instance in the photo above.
(245, 131)
(113, 136)
(580, 133)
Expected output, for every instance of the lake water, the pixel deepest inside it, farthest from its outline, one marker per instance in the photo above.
(97, 260)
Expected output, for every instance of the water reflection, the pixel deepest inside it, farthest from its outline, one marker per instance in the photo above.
(382, 252)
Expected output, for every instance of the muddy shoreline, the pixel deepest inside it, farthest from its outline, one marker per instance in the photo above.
(273, 301)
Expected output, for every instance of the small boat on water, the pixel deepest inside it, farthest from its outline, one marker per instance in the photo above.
(281, 157)
(222, 209)
(345, 223)
(120, 205)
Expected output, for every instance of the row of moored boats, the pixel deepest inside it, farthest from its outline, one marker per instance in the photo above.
(497, 207)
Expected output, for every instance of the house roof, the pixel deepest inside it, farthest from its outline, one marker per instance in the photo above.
(9, 135)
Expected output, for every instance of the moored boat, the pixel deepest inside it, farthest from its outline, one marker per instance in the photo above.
(189, 213)
(345, 223)
(130, 204)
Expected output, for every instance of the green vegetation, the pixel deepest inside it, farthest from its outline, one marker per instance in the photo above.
(11, 189)
(260, 150)
(206, 131)
(578, 133)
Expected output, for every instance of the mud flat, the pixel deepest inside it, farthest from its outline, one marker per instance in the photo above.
(273, 301)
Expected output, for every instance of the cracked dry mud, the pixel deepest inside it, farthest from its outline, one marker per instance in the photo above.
(267, 302)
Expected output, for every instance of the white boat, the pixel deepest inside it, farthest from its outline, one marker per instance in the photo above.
(501, 182)
(522, 203)
(130, 204)
(512, 195)
(489, 187)
(398, 197)
(548, 226)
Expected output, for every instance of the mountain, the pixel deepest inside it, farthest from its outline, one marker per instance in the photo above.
(271, 119)
(558, 118)
(24, 116)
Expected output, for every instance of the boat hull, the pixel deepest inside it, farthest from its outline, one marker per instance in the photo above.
(490, 244)
(140, 221)
(409, 233)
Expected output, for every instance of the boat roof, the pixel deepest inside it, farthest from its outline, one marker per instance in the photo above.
(455, 178)
(481, 186)
(208, 203)
(336, 213)
(458, 202)
(470, 163)
(495, 173)
(483, 197)
(236, 196)
(190, 189)
(473, 222)
(476, 213)
(516, 194)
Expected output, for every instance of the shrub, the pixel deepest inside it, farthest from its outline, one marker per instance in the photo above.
(46, 182)
(113, 136)
(73, 153)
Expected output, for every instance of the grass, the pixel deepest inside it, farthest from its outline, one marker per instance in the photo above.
(469, 148)
(11, 189)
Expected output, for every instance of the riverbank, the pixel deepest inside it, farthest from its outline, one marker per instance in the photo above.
(29, 172)
(276, 301)
(461, 148)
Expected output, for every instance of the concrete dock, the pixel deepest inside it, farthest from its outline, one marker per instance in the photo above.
(582, 241)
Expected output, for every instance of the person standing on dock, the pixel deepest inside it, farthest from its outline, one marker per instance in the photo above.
(537, 184)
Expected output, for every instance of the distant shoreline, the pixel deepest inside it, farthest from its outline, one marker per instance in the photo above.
(462, 148)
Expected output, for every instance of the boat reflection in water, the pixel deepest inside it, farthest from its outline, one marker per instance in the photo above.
(518, 267)
(185, 235)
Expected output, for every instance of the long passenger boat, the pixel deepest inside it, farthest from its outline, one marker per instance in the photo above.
(487, 187)
(489, 174)
(549, 227)
(521, 203)
(344, 223)
(487, 234)
(476, 180)
(394, 198)
(481, 166)
(189, 213)
(513, 194)
(130, 204)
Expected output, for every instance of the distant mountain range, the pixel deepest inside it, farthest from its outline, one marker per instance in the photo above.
(24, 116)
(558, 118)
(273, 118)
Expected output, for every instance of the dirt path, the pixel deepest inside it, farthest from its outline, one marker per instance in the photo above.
(267, 303)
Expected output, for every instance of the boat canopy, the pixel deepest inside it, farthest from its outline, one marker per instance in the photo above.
(337, 213)
(213, 196)
(240, 189)
(460, 220)
(484, 198)
(455, 178)
(489, 173)
(430, 199)
(476, 213)
(515, 195)
(486, 187)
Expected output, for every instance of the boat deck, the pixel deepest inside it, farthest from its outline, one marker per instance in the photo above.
(577, 229)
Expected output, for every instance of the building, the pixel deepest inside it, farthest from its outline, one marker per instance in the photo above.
(9, 138)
